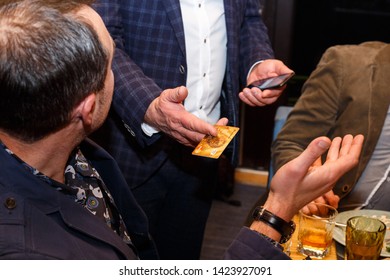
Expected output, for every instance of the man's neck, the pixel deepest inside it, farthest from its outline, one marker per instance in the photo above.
(48, 155)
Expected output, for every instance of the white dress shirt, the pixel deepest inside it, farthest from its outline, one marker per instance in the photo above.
(205, 40)
(206, 51)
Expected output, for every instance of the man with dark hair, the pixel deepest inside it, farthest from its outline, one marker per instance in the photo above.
(56, 87)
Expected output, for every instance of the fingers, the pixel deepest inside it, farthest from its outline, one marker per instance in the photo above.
(312, 208)
(192, 128)
(334, 150)
(167, 114)
(357, 145)
(190, 137)
(329, 198)
(255, 97)
(346, 156)
(305, 210)
(187, 137)
(350, 146)
(315, 209)
(333, 200)
(346, 145)
(268, 68)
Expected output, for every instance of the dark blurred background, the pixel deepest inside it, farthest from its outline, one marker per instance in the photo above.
(300, 31)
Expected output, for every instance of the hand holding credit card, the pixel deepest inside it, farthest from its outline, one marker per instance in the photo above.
(213, 146)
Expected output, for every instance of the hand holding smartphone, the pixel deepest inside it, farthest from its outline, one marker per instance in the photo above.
(272, 82)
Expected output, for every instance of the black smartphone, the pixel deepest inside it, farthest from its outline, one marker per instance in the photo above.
(273, 82)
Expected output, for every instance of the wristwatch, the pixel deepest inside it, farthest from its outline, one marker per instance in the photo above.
(286, 229)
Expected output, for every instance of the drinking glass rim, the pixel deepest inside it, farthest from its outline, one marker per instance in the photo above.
(384, 227)
(311, 216)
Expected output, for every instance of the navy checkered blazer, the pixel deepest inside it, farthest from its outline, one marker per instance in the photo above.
(150, 56)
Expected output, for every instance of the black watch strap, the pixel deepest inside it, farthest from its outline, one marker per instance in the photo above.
(286, 229)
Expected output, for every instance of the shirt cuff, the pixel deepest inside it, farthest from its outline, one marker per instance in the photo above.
(253, 66)
(149, 130)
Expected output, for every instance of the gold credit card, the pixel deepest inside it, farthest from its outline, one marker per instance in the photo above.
(213, 146)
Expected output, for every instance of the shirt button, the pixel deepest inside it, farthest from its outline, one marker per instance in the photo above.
(10, 203)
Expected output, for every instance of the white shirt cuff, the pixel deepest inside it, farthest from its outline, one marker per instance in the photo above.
(253, 66)
(148, 130)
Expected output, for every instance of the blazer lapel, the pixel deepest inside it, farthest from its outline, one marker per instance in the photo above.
(173, 11)
(229, 17)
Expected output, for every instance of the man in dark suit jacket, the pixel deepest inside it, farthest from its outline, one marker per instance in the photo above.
(62, 196)
(152, 59)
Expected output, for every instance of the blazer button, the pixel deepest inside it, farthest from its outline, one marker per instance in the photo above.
(129, 129)
(345, 188)
(182, 69)
(10, 203)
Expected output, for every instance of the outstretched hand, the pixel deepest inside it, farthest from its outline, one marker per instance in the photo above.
(167, 114)
(298, 182)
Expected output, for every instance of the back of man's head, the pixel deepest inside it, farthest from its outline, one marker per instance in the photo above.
(50, 60)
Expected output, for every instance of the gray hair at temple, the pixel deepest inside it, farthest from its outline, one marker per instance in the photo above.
(50, 60)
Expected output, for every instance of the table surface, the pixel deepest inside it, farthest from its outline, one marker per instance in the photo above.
(295, 255)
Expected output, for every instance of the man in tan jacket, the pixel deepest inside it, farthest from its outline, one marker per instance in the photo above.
(348, 92)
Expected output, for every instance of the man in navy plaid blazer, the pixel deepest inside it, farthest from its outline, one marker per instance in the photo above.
(150, 131)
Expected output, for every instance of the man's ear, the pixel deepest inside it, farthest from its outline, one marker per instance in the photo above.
(85, 110)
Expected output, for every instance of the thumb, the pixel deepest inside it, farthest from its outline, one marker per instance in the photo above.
(223, 121)
(176, 95)
(313, 151)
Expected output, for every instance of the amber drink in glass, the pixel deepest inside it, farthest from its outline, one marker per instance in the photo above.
(315, 233)
(364, 238)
